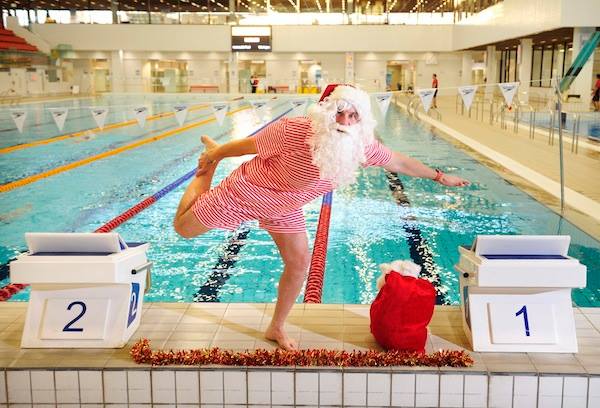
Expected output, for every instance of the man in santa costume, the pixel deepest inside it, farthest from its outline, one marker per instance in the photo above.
(297, 160)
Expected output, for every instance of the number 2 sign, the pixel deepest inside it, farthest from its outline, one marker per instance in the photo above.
(75, 318)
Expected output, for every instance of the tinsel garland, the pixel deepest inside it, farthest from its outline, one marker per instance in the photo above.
(142, 353)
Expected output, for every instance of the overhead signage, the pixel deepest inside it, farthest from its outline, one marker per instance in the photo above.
(250, 39)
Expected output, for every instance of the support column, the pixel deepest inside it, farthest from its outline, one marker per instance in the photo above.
(584, 82)
(491, 69)
(234, 82)
(466, 77)
(526, 54)
(114, 8)
(349, 68)
(117, 71)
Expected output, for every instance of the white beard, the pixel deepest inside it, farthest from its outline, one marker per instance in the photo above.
(338, 151)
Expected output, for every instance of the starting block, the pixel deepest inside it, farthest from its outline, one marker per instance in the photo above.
(87, 289)
(516, 293)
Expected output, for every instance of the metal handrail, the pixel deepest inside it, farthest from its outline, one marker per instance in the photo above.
(575, 134)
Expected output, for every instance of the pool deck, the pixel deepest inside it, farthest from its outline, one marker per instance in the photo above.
(240, 326)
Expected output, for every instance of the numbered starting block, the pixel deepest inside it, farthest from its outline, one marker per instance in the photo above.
(516, 293)
(87, 289)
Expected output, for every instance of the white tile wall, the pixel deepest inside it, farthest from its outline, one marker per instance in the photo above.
(476, 391)
(500, 391)
(403, 390)
(378, 389)
(163, 387)
(211, 387)
(187, 387)
(550, 392)
(427, 390)
(594, 392)
(259, 387)
(307, 388)
(139, 388)
(115, 387)
(42, 387)
(19, 387)
(3, 387)
(355, 389)
(330, 388)
(451, 390)
(525, 391)
(235, 387)
(67, 386)
(575, 392)
(282, 388)
(90, 386)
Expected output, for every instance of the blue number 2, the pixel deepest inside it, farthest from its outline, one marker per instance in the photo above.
(68, 327)
(523, 311)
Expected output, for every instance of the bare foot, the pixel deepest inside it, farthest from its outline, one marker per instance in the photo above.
(208, 142)
(280, 336)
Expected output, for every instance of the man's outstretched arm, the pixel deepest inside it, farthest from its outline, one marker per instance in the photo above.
(401, 163)
(234, 148)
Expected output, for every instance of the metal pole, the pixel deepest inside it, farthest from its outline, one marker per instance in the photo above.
(560, 148)
(573, 133)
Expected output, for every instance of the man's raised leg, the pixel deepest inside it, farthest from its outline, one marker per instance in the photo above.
(296, 259)
(186, 223)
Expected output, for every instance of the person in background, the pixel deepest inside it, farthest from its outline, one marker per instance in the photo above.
(297, 160)
(434, 84)
(596, 94)
(254, 83)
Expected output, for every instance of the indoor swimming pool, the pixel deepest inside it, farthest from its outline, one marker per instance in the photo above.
(369, 225)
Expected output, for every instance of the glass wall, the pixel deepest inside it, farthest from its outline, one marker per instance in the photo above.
(549, 62)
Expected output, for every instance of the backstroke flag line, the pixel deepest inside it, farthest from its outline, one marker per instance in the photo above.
(220, 110)
(18, 116)
(181, 112)
(383, 101)
(509, 89)
(99, 115)
(141, 113)
(60, 116)
(426, 96)
(467, 93)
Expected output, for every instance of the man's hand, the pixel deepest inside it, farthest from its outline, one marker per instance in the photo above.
(209, 158)
(453, 181)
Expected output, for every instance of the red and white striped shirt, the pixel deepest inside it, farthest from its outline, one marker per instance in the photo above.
(278, 181)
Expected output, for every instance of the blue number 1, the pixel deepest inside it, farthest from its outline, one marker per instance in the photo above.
(523, 311)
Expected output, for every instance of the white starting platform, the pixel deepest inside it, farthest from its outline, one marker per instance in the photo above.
(516, 293)
(87, 289)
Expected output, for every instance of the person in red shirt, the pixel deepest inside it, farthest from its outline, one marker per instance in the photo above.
(434, 84)
(297, 160)
(596, 94)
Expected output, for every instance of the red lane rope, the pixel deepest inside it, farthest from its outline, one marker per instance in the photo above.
(316, 272)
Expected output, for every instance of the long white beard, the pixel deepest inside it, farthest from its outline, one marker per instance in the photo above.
(338, 151)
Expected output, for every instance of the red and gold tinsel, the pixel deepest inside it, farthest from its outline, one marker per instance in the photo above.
(143, 354)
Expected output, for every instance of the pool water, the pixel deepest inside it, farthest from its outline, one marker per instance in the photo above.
(367, 226)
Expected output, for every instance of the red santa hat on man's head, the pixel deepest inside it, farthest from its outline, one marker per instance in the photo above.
(354, 96)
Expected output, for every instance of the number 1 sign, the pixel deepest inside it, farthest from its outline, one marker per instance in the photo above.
(519, 323)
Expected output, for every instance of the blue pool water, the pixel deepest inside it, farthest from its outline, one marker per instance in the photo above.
(367, 226)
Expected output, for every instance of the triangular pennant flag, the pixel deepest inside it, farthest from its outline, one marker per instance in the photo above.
(181, 112)
(299, 105)
(60, 116)
(467, 93)
(509, 89)
(383, 101)
(99, 115)
(426, 96)
(18, 116)
(258, 105)
(220, 109)
(141, 113)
